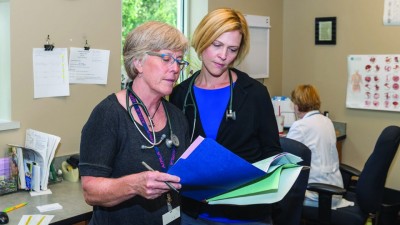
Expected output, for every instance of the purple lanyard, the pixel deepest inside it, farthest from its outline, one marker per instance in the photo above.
(149, 134)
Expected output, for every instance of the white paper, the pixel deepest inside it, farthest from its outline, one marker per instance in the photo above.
(88, 66)
(37, 193)
(36, 219)
(391, 12)
(45, 145)
(50, 72)
(49, 207)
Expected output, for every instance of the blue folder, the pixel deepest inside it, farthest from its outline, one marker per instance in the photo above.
(208, 169)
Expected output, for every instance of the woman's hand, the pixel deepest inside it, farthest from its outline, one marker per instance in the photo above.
(109, 192)
(151, 184)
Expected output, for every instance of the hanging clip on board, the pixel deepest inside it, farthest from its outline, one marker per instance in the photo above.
(87, 46)
(48, 46)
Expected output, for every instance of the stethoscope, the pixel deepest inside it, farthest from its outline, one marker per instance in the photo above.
(137, 102)
(230, 114)
(312, 114)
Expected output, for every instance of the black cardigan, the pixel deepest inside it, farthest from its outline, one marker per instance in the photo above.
(253, 135)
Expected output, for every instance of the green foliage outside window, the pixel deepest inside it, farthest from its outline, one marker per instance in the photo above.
(136, 12)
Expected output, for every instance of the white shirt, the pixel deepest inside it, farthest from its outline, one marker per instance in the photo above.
(318, 134)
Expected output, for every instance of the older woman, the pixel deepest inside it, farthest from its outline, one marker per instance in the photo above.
(137, 125)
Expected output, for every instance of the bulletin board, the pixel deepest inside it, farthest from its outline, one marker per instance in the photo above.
(256, 63)
(373, 82)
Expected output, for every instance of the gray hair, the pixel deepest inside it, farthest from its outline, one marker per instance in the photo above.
(151, 36)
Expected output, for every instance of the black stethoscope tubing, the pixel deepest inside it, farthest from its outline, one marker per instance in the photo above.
(169, 142)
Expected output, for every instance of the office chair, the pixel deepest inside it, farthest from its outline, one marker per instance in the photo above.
(368, 191)
(288, 210)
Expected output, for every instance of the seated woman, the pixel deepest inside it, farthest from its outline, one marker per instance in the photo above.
(316, 131)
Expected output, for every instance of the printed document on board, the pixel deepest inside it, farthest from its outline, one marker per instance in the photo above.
(88, 66)
(50, 73)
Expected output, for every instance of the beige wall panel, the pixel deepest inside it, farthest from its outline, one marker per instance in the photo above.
(69, 23)
(273, 9)
(360, 30)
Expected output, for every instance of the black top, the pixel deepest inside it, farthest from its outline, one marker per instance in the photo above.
(111, 147)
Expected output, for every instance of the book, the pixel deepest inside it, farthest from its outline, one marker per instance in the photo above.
(34, 159)
(8, 176)
(211, 173)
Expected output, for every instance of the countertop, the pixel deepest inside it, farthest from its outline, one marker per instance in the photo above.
(68, 194)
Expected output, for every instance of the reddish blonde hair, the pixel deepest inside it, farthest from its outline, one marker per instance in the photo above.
(306, 98)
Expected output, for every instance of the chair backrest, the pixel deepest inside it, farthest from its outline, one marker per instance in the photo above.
(371, 183)
(292, 203)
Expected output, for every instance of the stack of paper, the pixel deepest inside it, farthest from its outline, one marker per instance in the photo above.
(35, 158)
(209, 172)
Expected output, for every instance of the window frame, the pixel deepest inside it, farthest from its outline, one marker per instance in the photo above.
(5, 69)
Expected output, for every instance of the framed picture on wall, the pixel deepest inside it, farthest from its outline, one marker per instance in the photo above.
(325, 31)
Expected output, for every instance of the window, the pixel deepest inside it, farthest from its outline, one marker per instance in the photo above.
(5, 75)
(185, 16)
(136, 12)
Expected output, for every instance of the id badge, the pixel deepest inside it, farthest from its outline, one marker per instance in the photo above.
(171, 215)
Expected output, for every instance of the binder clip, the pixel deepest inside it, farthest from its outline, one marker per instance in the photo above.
(87, 46)
(48, 46)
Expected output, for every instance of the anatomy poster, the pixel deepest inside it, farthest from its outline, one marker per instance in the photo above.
(373, 82)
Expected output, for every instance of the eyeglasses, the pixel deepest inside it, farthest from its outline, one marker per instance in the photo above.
(169, 59)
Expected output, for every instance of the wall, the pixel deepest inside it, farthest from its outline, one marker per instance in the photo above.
(360, 30)
(69, 23)
(273, 9)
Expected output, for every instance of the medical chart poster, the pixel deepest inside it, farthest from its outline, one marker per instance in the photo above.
(373, 82)
(50, 73)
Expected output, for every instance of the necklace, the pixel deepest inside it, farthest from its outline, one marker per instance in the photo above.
(151, 118)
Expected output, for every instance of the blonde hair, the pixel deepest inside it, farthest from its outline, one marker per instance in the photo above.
(218, 22)
(151, 36)
(306, 98)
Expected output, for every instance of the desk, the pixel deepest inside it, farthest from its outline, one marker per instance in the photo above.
(68, 194)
